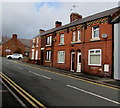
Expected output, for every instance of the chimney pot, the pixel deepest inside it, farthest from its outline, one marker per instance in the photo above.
(58, 24)
(75, 16)
(41, 30)
(14, 36)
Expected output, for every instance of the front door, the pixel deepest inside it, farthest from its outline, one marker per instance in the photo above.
(79, 62)
(72, 60)
(42, 57)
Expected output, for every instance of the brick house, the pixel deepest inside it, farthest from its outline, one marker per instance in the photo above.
(84, 45)
(14, 45)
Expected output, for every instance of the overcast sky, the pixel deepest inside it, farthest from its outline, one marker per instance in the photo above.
(26, 18)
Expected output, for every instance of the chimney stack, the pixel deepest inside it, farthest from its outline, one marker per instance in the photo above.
(41, 30)
(14, 36)
(58, 24)
(75, 16)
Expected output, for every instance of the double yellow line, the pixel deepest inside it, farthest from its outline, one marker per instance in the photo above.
(35, 103)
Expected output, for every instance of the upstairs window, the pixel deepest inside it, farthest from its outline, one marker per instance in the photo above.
(33, 43)
(49, 40)
(48, 55)
(95, 32)
(62, 39)
(79, 35)
(74, 36)
(37, 42)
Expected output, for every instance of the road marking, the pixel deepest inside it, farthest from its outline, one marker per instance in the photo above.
(91, 82)
(16, 97)
(93, 94)
(19, 67)
(40, 75)
(3, 91)
(22, 92)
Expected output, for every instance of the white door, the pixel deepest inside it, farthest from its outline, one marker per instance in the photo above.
(79, 62)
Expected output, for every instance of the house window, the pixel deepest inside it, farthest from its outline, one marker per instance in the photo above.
(79, 35)
(95, 32)
(37, 42)
(33, 43)
(94, 57)
(62, 39)
(32, 54)
(74, 36)
(36, 56)
(48, 55)
(61, 56)
(49, 40)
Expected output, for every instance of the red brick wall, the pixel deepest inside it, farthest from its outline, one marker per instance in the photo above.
(13, 45)
(104, 44)
(36, 47)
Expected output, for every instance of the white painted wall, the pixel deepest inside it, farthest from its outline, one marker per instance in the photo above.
(117, 51)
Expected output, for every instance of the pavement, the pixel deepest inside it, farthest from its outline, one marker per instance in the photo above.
(106, 81)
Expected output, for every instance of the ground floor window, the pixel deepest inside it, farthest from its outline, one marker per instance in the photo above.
(32, 54)
(48, 55)
(61, 56)
(94, 57)
(36, 56)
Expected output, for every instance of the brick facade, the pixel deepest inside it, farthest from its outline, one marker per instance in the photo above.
(90, 52)
(14, 45)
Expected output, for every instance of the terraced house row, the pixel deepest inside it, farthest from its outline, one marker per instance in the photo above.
(84, 45)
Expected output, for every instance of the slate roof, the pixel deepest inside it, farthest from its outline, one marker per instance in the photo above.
(83, 20)
(116, 19)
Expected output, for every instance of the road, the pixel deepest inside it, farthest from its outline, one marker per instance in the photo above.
(53, 89)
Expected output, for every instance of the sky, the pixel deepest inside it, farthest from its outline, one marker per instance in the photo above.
(26, 18)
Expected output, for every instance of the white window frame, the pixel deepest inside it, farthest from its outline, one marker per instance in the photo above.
(79, 36)
(33, 42)
(32, 56)
(36, 55)
(94, 54)
(49, 40)
(62, 37)
(48, 55)
(74, 36)
(37, 40)
(93, 32)
(59, 59)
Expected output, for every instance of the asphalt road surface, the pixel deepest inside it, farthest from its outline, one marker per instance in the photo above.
(53, 89)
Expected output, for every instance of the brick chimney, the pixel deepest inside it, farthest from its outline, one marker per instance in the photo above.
(41, 30)
(58, 24)
(75, 16)
(14, 36)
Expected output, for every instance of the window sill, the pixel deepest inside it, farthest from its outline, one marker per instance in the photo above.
(48, 45)
(48, 61)
(60, 62)
(94, 64)
(75, 42)
(95, 39)
(62, 44)
(78, 42)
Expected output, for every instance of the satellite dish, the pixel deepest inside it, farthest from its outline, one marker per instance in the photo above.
(104, 35)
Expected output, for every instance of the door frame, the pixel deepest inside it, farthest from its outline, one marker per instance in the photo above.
(72, 53)
(78, 55)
